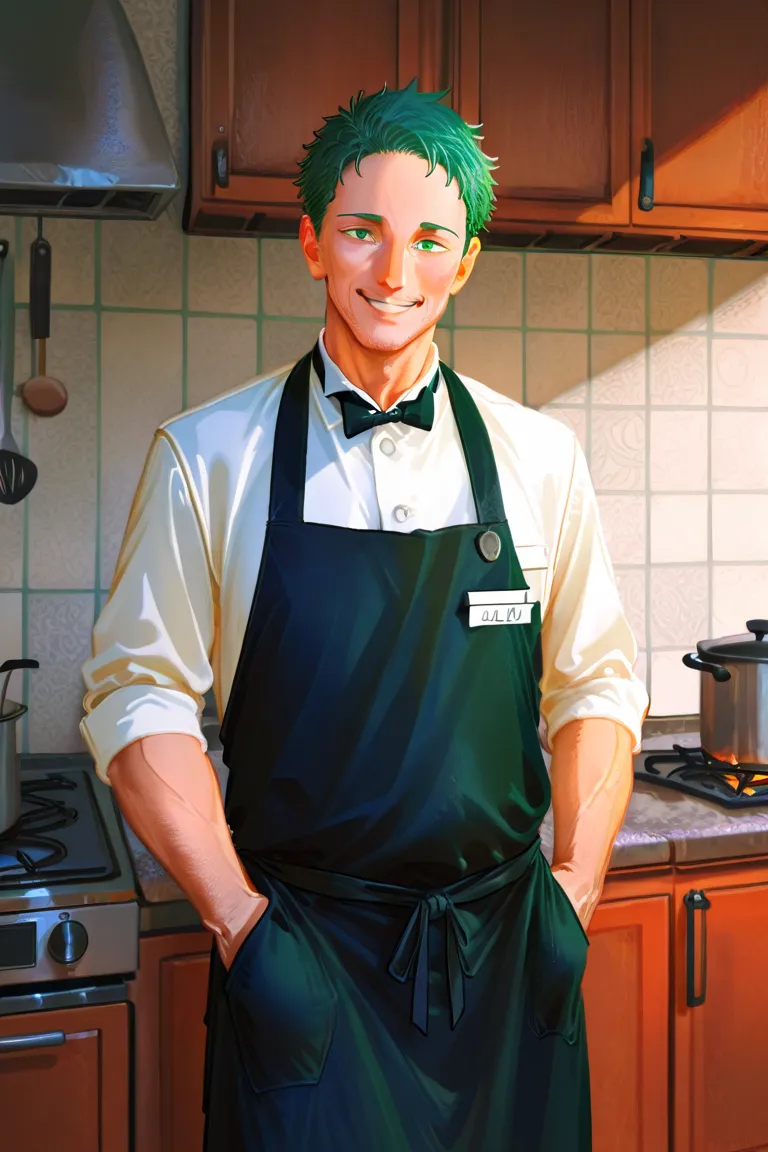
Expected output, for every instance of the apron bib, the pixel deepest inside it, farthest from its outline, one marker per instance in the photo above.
(415, 981)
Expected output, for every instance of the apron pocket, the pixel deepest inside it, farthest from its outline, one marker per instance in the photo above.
(282, 1005)
(558, 959)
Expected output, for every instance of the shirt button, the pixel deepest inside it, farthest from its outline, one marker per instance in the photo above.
(402, 513)
(387, 446)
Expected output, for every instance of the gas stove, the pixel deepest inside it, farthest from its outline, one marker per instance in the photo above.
(68, 905)
(696, 772)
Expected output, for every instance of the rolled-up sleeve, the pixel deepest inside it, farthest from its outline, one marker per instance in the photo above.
(588, 649)
(150, 666)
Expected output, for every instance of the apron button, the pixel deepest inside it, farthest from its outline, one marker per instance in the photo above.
(489, 546)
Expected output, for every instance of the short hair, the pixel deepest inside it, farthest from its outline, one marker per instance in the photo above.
(398, 120)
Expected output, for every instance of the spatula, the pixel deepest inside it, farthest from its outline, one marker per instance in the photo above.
(18, 475)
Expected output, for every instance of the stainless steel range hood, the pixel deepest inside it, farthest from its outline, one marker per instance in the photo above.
(80, 130)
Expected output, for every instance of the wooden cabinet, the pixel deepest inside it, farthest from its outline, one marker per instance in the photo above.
(626, 997)
(567, 95)
(170, 994)
(64, 1080)
(550, 85)
(721, 1042)
(700, 94)
(263, 77)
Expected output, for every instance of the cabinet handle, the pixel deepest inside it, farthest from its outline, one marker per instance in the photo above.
(695, 902)
(23, 1043)
(221, 166)
(645, 199)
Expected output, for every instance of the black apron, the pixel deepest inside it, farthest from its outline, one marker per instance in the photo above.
(415, 983)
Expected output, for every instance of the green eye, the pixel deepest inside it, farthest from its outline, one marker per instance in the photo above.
(358, 233)
(433, 246)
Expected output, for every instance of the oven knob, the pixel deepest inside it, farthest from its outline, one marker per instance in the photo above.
(67, 942)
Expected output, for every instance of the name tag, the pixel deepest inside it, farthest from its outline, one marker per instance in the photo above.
(504, 607)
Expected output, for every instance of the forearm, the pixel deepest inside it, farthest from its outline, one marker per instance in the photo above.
(591, 774)
(169, 794)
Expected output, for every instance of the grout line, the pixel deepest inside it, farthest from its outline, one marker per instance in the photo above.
(184, 322)
(683, 492)
(259, 309)
(710, 550)
(648, 571)
(588, 405)
(524, 327)
(98, 313)
(25, 652)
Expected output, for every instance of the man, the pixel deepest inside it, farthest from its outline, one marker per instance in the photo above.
(389, 573)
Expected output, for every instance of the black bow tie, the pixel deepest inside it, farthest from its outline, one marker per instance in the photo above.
(359, 416)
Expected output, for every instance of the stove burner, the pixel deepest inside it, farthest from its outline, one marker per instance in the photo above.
(54, 803)
(698, 773)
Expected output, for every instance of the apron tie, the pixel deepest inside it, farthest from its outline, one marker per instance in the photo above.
(465, 931)
(411, 957)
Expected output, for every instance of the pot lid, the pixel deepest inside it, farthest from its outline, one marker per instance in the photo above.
(751, 646)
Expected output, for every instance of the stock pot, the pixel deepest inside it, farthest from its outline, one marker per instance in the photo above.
(734, 694)
(10, 778)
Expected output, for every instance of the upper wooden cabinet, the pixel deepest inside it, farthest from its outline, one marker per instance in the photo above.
(263, 77)
(549, 82)
(550, 85)
(700, 95)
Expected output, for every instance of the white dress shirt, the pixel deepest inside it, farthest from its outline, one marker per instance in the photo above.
(177, 612)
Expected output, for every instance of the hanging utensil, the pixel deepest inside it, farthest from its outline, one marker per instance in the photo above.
(44, 395)
(10, 777)
(18, 475)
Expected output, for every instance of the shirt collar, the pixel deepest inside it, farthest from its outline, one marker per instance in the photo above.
(336, 381)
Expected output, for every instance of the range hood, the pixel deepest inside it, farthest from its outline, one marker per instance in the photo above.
(80, 131)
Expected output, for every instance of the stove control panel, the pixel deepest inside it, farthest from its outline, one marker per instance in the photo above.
(60, 944)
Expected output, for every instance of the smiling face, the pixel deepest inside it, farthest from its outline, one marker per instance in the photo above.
(390, 249)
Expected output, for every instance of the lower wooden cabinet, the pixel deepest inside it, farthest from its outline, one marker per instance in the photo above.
(721, 1008)
(170, 994)
(64, 1082)
(626, 998)
(626, 991)
(677, 1026)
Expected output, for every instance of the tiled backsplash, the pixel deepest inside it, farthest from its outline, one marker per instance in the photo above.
(659, 364)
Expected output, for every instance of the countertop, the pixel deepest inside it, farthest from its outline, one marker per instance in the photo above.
(661, 827)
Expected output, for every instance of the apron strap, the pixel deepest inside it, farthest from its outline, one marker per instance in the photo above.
(289, 452)
(478, 453)
(289, 455)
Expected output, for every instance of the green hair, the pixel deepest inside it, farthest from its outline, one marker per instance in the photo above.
(398, 120)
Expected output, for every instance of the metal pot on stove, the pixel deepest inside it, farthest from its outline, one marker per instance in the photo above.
(10, 778)
(734, 694)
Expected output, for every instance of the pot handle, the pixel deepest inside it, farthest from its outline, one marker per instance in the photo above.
(691, 660)
(11, 666)
(758, 627)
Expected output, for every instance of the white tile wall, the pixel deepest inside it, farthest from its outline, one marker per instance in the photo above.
(659, 365)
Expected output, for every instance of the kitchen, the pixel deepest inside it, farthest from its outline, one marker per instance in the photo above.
(624, 292)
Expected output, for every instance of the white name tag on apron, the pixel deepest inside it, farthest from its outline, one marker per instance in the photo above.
(509, 607)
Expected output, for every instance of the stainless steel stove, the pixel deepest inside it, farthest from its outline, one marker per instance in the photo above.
(69, 913)
(696, 772)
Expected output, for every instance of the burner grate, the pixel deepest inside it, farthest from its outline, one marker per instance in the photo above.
(59, 836)
(697, 773)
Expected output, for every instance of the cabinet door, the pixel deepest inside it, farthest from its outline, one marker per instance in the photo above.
(720, 1104)
(550, 84)
(183, 994)
(169, 996)
(700, 94)
(626, 997)
(64, 1080)
(265, 74)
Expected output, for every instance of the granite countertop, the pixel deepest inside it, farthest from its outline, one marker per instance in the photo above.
(661, 827)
